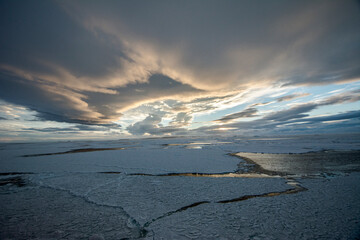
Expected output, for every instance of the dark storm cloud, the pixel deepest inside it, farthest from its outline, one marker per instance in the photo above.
(237, 41)
(157, 87)
(62, 106)
(247, 113)
(87, 62)
(55, 104)
(34, 32)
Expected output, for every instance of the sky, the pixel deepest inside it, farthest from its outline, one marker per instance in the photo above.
(122, 69)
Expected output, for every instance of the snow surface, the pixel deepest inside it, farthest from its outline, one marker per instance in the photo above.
(146, 198)
(330, 209)
(147, 157)
(67, 195)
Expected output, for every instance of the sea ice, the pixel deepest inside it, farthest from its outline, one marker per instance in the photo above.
(178, 188)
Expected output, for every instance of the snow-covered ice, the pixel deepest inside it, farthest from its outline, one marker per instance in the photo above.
(330, 209)
(177, 188)
(147, 198)
(147, 157)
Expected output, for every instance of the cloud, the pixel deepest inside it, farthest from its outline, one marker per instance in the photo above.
(247, 113)
(251, 43)
(342, 122)
(288, 118)
(44, 48)
(52, 130)
(77, 129)
(300, 110)
(336, 117)
(103, 127)
(157, 88)
(261, 104)
(90, 62)
(291, 97)
(76, 75)
(151, 125)
(64, 105)
(350, 96)
(292, 113)
(182, 119)
(348, 121)
(50, 102)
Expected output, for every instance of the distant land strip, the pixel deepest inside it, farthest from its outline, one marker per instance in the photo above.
(82, 150)
(14, 173)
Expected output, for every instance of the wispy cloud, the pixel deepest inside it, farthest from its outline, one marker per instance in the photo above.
(293, 115)
(247, 113)
(291, 97)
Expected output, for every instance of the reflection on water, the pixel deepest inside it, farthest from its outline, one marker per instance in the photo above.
(194, 145)
(186, 144)
(305, 163)
(267, 139)
(211, 175)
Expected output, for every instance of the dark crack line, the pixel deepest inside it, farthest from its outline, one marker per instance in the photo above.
(298, 188)
(176, 211)
(141, 230)
(270, 194)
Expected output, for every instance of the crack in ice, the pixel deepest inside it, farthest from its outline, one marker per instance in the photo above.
(135, 224)
(296, 189)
